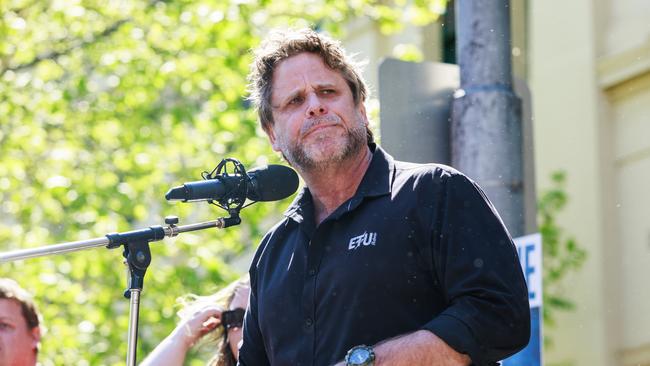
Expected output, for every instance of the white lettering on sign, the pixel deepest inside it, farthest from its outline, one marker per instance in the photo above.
(529, 249)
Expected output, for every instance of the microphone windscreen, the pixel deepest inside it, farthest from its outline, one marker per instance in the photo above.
(272, 183)
(176, 194)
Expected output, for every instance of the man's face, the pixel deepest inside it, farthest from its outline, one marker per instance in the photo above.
(316, 123)
(18, 343)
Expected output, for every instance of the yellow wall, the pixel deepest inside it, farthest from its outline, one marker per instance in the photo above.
(629, 109)
(589, 69)
(562, 76)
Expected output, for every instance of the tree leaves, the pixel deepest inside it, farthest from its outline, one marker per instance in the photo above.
(561, 255)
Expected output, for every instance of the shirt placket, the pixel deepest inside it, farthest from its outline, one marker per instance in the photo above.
(314, 256)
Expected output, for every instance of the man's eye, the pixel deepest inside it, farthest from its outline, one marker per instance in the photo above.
(296, 100)
(328, 91)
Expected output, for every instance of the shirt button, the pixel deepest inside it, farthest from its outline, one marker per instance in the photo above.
(312, 272)
(309, 322)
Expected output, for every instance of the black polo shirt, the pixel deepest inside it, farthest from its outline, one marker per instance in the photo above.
(419, 246)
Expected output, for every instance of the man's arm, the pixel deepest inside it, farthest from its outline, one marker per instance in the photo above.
(417, 348)
(476, 264)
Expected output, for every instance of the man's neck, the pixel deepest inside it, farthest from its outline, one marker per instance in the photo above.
(332, 186)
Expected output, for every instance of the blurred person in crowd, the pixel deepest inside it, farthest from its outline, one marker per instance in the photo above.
(20, 326)
(213, 319)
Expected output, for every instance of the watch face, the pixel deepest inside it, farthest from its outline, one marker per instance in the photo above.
(359, 356)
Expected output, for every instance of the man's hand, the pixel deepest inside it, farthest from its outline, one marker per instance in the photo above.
(418, 348)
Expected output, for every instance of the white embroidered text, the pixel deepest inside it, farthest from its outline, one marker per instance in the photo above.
(364, 239)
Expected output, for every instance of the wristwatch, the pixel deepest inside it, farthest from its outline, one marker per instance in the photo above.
(360, 356)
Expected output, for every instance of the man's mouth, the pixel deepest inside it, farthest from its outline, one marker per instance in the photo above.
(320, 123)
(319, 127)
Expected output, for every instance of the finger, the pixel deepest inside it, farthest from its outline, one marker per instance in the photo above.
(205, 313)
(212, 323)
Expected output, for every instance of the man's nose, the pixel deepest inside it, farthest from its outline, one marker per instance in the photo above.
(315, 106)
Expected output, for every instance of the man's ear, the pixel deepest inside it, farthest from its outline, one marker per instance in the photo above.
(271, 134)
(364, 115)
(36, 336)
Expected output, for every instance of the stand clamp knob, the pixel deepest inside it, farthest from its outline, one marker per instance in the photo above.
(171, 220)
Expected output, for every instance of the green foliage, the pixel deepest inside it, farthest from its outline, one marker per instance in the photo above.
(562, 255)
(408, 52)
(103, 107)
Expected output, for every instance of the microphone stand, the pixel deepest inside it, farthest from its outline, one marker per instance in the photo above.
(137, 256)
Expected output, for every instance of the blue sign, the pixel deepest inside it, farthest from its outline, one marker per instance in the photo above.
(530, 257)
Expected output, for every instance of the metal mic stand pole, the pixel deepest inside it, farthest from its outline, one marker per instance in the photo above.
(137, 254)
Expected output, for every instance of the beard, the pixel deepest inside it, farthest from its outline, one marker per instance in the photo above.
(310, 158)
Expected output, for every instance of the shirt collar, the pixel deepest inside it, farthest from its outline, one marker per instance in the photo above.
(376, 181)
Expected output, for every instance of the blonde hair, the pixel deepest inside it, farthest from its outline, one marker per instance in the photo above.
(193, 303)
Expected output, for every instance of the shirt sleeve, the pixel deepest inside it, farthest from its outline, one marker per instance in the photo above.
(252, 351)
(476, 263)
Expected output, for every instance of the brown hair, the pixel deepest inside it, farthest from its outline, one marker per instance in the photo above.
(282, 44)
(10, 290)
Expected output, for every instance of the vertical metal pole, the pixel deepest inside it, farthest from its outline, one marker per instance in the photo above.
(486, 114)
(133, 328)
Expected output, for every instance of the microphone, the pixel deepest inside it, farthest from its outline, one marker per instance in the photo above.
(265, 183)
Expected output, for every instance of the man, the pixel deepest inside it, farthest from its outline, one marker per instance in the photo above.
(19, 326)
(391, 263)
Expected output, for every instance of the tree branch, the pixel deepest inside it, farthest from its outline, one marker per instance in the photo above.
(53, 55)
